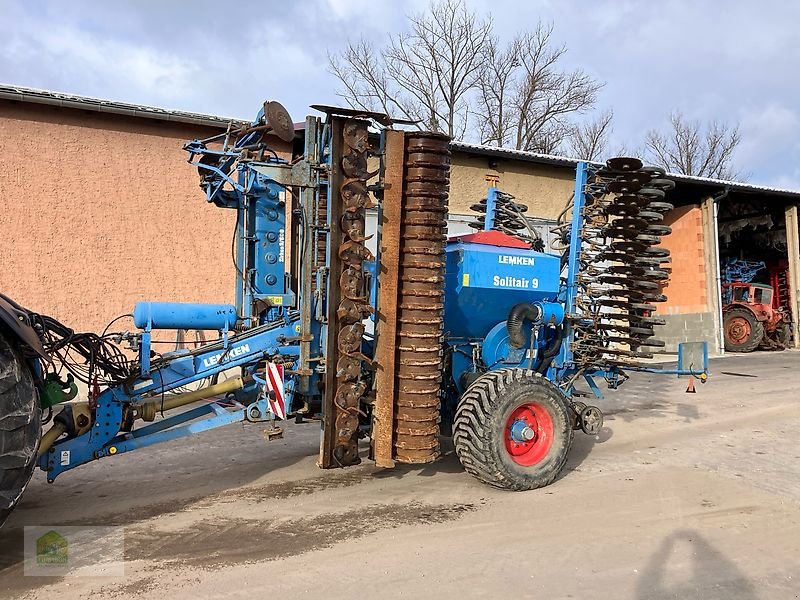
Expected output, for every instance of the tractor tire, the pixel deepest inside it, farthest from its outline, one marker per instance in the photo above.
(784, 334)
(743, 332)
(482, 429)
(20, 427)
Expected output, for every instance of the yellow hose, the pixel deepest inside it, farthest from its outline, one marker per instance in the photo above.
(49, 438)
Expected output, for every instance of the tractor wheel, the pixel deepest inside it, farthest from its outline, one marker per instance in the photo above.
(513, 429)
(784, 333)
(20, 427)
(743, 332)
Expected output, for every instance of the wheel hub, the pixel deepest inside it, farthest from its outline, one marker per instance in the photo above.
(738, 330)
(529, 434)
(591, 420)
(521, 432)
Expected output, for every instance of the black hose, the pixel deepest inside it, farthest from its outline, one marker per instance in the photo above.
(549, 353)
(517, 316)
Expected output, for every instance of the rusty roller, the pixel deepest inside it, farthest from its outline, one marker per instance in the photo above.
(423, 234)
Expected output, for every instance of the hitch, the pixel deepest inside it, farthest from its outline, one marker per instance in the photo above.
(56, 390)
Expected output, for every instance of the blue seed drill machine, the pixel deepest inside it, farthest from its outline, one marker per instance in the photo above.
(484, 337)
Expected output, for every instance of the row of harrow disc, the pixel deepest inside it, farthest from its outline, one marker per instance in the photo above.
(623, 267)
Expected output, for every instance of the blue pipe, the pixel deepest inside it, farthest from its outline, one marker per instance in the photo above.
(182, 315)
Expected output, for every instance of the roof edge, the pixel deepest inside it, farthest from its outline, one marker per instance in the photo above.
(564, 161)
(16, 93)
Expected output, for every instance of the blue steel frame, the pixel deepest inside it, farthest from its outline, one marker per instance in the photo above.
(256, 195)
(491, 207)
(105, 438)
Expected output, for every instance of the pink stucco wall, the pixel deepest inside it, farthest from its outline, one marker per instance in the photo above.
(99, 211)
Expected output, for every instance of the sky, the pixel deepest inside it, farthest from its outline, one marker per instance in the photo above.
(731, 60)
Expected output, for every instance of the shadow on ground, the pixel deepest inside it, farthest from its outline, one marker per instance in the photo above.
(710, 574)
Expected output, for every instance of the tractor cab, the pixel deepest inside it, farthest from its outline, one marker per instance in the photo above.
(751, 294)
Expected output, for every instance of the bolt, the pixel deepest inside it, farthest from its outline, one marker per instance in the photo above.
(527, 434)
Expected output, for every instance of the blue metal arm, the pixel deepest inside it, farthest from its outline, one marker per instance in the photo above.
(104, 438)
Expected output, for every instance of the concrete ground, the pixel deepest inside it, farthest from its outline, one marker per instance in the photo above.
(680, 496)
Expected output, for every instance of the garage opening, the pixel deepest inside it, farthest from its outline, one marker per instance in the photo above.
(754, 274)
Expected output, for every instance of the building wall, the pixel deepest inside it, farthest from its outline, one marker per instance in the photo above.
(100, 211)
(545, 190)
(688, 312)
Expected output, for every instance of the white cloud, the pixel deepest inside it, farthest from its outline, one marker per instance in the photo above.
(731, 64)
(63, 54)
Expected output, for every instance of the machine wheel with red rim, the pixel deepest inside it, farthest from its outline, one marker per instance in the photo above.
(513, 429)
(743, 332)
(529, 434)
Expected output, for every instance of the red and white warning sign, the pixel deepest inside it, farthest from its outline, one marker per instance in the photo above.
(274, 380)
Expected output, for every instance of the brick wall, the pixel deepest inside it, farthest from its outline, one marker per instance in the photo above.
(686, 291)
(100, 211)
(687, 310)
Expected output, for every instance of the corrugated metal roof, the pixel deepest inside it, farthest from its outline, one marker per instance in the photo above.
(24, 94)
(563, 161)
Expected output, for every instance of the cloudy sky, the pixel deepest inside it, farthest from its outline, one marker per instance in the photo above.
(732, 60)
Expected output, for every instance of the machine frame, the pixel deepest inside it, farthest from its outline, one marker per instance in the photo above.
(275, 323)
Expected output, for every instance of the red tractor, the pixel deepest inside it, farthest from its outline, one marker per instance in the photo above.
(750, 320)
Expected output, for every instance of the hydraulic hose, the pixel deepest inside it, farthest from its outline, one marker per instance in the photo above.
(517, 316)
(550, 352)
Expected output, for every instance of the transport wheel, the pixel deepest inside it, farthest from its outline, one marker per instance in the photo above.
(513, 429)
(743, 332)
(20, 427)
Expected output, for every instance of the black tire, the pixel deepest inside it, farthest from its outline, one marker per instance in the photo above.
(20, 427)
(784, 332)
(480, 428)
(735, 343)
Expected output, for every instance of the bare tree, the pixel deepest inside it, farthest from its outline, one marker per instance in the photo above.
(690, 148)
(451, 73)
(425, 75)
(588, 141)
(526, 100)
(544, 97)
(495, 114)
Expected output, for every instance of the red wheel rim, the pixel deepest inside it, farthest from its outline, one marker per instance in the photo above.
(529, 453)
(738, 330)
